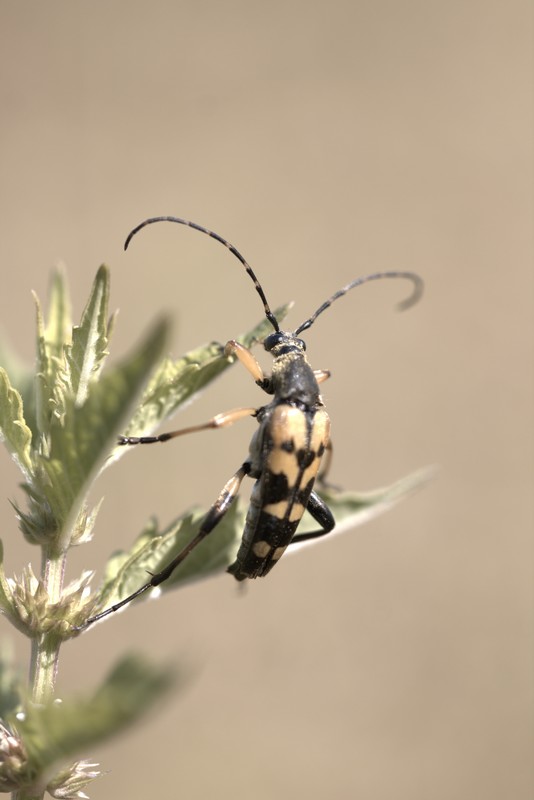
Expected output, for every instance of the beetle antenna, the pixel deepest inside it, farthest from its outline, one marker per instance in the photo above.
(402, 306)
(268, 313)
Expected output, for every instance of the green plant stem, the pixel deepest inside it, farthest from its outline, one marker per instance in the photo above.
(26, 794)
(45, 651)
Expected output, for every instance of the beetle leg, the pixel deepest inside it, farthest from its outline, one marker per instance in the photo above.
(321, 375)
(210, 521)
(218, 421)
(250, 363)
(321, 514)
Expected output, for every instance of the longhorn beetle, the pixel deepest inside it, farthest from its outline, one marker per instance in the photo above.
(286, 450)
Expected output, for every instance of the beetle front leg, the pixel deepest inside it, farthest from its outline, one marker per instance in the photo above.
(239, 351)
(321, 514)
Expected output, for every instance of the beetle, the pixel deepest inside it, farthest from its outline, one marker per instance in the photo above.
(287, 448)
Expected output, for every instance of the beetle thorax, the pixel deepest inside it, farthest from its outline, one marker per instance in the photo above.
(293, 379)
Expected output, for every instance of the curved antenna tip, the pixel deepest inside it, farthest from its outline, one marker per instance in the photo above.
(402, 306)
(417, 293)
(142, 225)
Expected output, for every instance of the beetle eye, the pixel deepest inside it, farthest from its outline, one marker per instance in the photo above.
(301, 343)
(272, 340)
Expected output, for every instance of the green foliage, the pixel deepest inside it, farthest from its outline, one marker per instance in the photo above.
(351, 509)
(54, 731)
(16, 433)
(153, 550)
(60, 425)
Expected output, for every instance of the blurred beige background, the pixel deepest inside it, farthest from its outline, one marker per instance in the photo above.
(326, 141)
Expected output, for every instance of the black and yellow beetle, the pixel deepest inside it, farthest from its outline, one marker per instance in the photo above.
(285, 452)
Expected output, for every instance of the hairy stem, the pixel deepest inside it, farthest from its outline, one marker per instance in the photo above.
(45, 651)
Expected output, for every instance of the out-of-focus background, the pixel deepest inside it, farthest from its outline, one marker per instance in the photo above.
(325, 141)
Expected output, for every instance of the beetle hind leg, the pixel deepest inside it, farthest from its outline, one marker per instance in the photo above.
(321, 514)
(210, 521)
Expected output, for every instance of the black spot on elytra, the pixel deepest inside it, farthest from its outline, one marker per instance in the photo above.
(275, 487)
(305, 458)
(276, 532)
(321, 450)
(288, 446)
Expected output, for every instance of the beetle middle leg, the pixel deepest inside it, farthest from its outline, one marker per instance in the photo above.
(221, 420)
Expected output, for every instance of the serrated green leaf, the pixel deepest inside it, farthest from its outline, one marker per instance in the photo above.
(58, 731)
(53, 337)
(22, 378)
(57, 332)
(153, 550)
(80, 445)
(176, 382)
(88, 351)
(13, 427)
(351, 509)
(46, 373)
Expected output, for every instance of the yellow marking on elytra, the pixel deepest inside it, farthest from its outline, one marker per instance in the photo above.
(321, 430)
(287, 424)
(281, 462)
(291, 424)
(310, 473)
(261, 549)
(286, 419)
